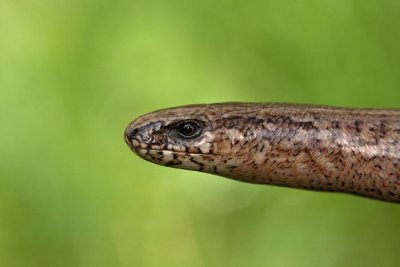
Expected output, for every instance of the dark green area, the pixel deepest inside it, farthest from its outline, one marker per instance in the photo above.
(73, 74)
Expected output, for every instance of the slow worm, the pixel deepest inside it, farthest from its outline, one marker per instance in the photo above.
(354, 151)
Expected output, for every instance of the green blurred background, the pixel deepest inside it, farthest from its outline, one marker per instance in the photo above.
(73, 74)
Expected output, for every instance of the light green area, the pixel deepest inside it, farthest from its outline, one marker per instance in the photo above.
(74, 73)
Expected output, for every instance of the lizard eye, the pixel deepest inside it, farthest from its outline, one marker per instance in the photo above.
(189, 129)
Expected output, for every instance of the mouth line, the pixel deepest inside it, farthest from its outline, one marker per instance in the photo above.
(181, 153)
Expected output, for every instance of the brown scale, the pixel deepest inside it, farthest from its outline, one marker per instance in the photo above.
(320, 148)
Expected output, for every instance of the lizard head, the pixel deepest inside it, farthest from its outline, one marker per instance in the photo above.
(180, 137)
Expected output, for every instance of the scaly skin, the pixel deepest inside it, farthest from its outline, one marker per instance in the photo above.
(320, 148)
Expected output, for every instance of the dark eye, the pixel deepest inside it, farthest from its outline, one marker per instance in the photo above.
(188, 129)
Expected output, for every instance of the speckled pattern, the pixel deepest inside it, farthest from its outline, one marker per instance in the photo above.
(320, 148)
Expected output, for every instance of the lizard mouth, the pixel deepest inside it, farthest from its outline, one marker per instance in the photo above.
(142, 148)
(163, 154)
(162, 151)
(169, 157)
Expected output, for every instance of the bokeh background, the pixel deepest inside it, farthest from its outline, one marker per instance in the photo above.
(74, 73)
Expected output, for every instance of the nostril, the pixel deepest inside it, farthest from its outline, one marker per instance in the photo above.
(130, 135)
(133, 133)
